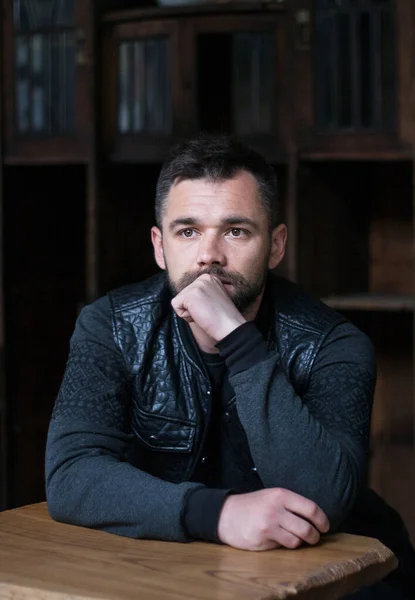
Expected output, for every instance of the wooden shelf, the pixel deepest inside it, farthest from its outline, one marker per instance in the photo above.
(158, 12)
(371, 302)
(341, 155)
(369, 146)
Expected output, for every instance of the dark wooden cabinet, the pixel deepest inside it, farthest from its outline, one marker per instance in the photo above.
(170, 73)
(47, 74)
(351, 99)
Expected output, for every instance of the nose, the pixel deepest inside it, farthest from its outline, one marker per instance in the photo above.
(210, 252)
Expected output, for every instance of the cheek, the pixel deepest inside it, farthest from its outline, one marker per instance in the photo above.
(177, 259)
(251, 255)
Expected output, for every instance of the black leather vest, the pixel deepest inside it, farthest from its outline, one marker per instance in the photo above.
(169, 388)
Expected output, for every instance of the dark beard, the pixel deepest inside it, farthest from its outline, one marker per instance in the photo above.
(244, 293)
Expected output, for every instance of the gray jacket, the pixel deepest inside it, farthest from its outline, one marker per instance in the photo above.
(307, 427)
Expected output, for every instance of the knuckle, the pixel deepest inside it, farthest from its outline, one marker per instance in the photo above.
(297, 543)
(293, 542)
(263, 526)
(278, 494)
(315, 539)
(313, 510)
(307, 530)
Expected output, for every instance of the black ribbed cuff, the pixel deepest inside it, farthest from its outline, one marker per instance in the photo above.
(243, 348)
(201, 513)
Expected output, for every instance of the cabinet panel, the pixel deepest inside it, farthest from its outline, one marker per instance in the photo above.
(142, 89)
(350, 106)
(214, 73)
(144, 103)
(355, 63)
(47, 49)
(356, 230)
(238, 83)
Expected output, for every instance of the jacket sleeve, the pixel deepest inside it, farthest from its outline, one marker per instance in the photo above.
(88, 481)
(316, 444)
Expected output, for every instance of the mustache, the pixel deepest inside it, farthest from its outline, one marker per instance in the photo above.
(232, 277)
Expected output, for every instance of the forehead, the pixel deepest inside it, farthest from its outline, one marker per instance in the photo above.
(237, 194)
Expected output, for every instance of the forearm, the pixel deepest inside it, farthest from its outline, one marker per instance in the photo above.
(315, 445)
(291, 448)
(88, 484)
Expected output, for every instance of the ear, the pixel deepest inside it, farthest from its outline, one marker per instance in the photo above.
(157, 239)
(278, 243)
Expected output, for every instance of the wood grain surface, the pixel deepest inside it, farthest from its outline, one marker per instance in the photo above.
(44, 560)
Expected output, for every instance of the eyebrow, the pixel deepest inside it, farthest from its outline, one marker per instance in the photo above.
(231, 220)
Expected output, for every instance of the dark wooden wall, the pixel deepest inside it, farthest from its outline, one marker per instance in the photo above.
(44, 212)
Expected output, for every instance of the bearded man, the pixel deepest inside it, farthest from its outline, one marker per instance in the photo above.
(216, 401)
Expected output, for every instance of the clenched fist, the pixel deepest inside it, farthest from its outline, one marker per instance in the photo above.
(270, 518)
(207, 303)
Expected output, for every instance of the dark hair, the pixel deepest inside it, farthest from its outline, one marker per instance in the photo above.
(217, 158)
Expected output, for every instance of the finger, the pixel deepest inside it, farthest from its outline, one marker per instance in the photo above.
(285, 538)
(216, 279)
(187, 318)
(307, 509)
(182, 312)
(185, 315)
(299, 527)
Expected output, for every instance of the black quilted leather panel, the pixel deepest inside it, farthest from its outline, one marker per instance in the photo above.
(159, 433)
(168, 386)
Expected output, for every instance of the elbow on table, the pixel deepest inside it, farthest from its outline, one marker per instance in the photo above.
(56, 505)
(339, 495)
(338, 506)
(58, 500)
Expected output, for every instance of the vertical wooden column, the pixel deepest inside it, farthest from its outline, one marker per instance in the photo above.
(406, 17)
(411, 99)
(91, 217)
(91, 233)
(292, 215)
(291, 115)
(413, 293)
(3, 405)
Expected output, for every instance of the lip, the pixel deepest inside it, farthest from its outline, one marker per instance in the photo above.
(223, 280)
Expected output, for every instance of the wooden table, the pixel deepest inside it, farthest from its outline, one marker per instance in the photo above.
(44, 560)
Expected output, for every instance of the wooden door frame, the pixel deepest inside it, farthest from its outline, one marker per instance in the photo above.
(94, 161)
(3, 403)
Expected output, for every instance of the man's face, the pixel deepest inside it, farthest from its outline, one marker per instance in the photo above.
(222, 229)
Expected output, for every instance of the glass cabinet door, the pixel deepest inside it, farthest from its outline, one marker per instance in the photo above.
(44, 67)
(253, 82)
(46, 64)
(356, 82)
(144, 86)
(237, 62)
(141, 103)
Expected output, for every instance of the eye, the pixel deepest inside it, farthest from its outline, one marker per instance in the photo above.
(186, 233)
(237, 232)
